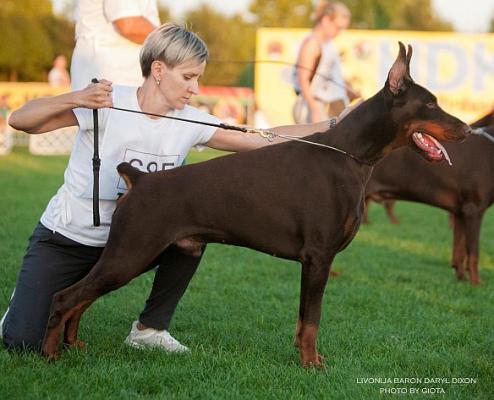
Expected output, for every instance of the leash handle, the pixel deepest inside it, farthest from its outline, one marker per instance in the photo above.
(96, 166)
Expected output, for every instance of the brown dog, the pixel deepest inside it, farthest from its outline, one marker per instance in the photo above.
(400, 182)
(292, 200)
(465, 189)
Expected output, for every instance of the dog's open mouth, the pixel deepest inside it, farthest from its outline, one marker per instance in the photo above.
(433, 150)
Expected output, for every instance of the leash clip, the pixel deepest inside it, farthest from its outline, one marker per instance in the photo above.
(264, 133)
(267, 134)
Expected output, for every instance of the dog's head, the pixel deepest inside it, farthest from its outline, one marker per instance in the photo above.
(415, 110)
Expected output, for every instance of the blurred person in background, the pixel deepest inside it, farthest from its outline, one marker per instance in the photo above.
(318, 78)
(58, 75)
(109, 35)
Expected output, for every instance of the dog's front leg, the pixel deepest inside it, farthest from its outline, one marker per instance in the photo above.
(315, 274)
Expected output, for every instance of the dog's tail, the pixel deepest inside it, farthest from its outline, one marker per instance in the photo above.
(129, 174)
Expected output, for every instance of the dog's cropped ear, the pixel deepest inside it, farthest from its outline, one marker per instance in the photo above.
(399, 75)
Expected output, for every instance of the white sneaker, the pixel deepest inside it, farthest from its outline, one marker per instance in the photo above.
(152, 338)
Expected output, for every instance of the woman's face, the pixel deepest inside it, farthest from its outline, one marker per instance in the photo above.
(180, 83)
(334, 25)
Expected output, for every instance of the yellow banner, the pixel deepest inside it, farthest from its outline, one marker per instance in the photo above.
(15, 94)
(234, 105)
(457, 68)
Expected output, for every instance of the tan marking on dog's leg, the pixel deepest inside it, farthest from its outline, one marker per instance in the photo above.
(296, 339)
(308, 353)
(72, 327)
(51, 341)
(473, 269)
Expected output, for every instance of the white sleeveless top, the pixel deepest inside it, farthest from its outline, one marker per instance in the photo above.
(324, 89)
(148, 144)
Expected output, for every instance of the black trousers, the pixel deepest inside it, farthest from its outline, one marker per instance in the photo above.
(53, 262)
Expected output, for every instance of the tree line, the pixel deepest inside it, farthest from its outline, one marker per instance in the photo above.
(31, 34)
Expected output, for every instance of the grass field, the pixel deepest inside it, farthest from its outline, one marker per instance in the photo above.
(394, 312)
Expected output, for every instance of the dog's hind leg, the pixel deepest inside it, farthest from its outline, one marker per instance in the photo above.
(72, 327)
(365, 215)
(69, 304)
(459, 256)
(60, 312)
(315, 272)
(472, 233)
(389, 206)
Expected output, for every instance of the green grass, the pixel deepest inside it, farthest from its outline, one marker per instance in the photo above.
(395, 311)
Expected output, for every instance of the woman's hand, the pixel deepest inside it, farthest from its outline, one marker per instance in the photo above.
(96, 95)
(315, 114)
(45, 114)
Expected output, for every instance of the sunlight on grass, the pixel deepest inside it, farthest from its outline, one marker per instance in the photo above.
(411, 246)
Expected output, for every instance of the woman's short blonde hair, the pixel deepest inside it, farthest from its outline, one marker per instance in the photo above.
(329, 8)
(173, 44)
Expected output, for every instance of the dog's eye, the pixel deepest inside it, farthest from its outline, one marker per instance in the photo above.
(431, 104)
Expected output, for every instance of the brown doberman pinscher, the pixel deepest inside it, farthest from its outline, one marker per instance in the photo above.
(389, 204)
(465, 189)
(292, 200)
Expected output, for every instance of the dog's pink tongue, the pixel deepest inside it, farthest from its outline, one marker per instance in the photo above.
(442, 149)
(431, 146)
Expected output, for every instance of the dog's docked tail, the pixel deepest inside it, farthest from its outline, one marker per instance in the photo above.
(129, 174)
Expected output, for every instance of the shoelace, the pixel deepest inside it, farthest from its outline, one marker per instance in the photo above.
(169, 339)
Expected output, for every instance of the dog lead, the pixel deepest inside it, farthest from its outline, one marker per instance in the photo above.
(96, 166)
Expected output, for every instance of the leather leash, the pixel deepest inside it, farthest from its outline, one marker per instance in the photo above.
(265, 133)
(96, 167)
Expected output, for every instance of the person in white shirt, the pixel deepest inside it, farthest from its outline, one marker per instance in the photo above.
(65, 245)
(109, 35)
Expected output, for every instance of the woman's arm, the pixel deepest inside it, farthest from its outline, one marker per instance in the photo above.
(240, 141)
(48, 113)
(310, 53)
(135, 29)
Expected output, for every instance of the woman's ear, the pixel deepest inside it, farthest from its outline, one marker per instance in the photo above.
(157, 68)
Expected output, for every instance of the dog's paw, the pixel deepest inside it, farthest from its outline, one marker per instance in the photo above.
(460, 275)
(52, 356)
(317, 362)
(475, 281)
(76, 344)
